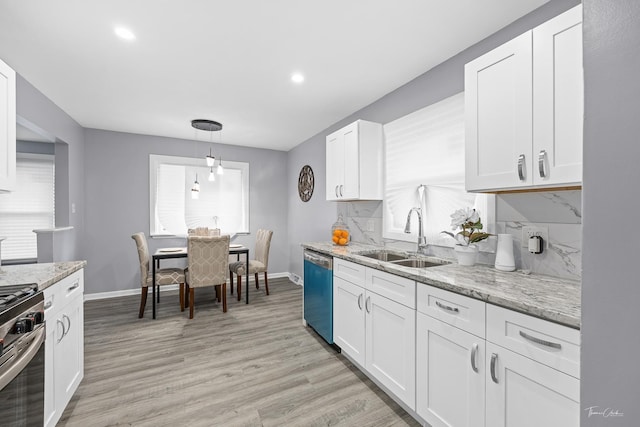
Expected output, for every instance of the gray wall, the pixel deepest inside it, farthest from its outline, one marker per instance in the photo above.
(37, 112)
(117, 198)
(610, 287)
(312, 222)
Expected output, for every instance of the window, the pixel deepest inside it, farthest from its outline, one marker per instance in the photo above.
(29, 207)
(223, 203)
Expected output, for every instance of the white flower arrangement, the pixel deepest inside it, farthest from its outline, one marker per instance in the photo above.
(469, 221)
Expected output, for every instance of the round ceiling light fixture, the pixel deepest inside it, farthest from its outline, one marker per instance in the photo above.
(208, 125)
(124, 33)
(297, 78)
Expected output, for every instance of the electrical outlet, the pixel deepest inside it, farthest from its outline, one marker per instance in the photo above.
(531, 230)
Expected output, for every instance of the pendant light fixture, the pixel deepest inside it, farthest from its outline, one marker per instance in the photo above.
(195, 190)
(212, 176)
(209, 126)
(220, 169)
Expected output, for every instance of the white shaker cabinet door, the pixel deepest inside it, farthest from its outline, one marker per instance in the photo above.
(7, 128)
(391, 346)
(450, 375)
(558, 100)
(348, 319)
(498, 117)
(522, 392)
(334, 165)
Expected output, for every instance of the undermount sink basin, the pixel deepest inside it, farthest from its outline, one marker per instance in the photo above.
(384, 256)
(419, 263)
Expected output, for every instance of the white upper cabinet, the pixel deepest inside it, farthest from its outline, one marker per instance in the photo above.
(524, 110)
(354, 162)
(7, 128)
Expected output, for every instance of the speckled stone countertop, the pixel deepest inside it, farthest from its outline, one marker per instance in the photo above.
(43, 274)
(549, 298)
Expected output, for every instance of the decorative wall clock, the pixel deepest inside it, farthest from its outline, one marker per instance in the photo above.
(305, 183)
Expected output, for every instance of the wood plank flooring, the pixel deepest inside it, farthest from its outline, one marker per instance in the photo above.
(256, 365)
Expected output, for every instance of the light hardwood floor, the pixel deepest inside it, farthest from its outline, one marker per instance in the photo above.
(256, 365)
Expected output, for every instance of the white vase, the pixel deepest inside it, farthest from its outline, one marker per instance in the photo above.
(504, 253)
(466, 255)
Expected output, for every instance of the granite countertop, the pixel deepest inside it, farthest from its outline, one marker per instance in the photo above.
(44, 274)
(546, 297)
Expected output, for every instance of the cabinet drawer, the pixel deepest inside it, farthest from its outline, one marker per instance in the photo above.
(58, 295)
(350, 271)
(551, 344)
(457, 310)
(396, 288)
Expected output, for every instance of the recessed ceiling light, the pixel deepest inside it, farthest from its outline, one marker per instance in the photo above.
(297, 78)
(124, 33)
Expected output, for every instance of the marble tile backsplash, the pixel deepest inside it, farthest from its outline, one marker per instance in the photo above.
(560, 212)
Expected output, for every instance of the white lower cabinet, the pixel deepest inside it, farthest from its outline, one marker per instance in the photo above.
(376, 332)
(64, 344)
(390, 342)
(348, 318)
(450, 372)
(522, 392)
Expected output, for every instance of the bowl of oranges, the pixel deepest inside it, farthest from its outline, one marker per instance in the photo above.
(340, 237)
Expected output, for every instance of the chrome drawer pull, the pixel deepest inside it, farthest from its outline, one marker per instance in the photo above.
(521, 167)
(474, 354)
(447, 308)
(337, 195)
(48, 304)
(539, 341)
(74, 286)
(360, 301)
(494, 360)
(341, 187)
(541, 161)
(64, 332)
(366, 304)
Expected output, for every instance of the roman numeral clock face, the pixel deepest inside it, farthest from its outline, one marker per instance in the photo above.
(305, 183)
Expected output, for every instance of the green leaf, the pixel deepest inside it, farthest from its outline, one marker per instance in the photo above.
(476, 237)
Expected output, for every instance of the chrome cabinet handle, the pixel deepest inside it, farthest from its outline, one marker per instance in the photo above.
(48, 304)
(367, 304)
(474, 355)
(61, 323)
(521, 167)
(447, 308)
(542, 156)
(539, 341)
(494, 360)
(337, 195)
(74, 286)
(341, 187)
(360, 301)
(68, 322)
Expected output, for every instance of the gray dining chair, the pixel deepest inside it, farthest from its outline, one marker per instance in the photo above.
(164, 276)
(208, 262)
(258, 265)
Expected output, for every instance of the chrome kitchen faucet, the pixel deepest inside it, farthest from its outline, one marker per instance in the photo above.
(422, 241)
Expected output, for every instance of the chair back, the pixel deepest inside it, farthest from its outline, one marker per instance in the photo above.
(208, 260)
(143, 256)
(263, 243)
(198, 231)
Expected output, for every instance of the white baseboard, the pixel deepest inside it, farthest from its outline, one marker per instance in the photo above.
(164, 288)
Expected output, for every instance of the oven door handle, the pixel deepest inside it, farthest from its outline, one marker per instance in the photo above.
(7, 375)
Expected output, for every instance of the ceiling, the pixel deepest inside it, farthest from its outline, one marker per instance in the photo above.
(232, 61)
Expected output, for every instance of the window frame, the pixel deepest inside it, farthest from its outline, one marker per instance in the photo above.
(157, 159)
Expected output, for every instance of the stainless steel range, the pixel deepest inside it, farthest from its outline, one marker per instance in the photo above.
(22, 333)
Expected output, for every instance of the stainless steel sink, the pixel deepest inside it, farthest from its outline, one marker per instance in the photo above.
(419, 263)
(384, 256)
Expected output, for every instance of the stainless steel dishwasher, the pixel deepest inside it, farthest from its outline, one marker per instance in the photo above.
(318, 293)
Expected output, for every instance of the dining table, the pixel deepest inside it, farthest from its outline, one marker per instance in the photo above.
(181, 252)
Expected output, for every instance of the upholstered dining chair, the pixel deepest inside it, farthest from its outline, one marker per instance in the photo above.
(258, 265)
(198, 231)
(208, 262)
(164, 276)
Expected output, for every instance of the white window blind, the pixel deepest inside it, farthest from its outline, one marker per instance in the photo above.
(223, 203)
(29, 207)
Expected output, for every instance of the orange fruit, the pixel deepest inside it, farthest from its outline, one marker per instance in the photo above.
(345, 234)
(342, 241)
(335, 239)
(337, 232)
